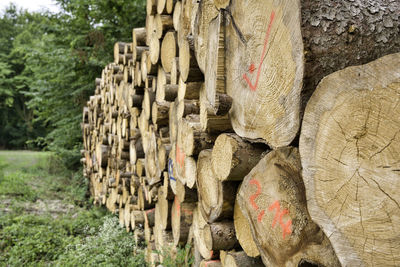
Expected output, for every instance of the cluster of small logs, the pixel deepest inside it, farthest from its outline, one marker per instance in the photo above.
(193, 134)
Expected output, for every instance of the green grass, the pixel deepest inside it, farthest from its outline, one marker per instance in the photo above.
(46, 219)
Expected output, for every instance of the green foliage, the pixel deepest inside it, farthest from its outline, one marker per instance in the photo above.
(181, 258)
(48, 63)
(108, 246)
(29, 236)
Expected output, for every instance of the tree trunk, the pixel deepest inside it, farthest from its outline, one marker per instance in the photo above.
(349, 148)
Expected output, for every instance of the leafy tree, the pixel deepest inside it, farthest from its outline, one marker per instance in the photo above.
(48, 64)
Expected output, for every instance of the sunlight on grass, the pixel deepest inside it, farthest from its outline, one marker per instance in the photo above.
(23, 160)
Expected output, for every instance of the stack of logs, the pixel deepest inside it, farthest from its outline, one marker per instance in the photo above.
(193, 134)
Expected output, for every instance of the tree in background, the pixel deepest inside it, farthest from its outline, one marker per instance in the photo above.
(16, 120)
(59, 56)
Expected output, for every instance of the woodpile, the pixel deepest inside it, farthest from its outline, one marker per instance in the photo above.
(193, 135)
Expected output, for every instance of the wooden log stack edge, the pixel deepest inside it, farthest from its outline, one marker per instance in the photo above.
(251, 131)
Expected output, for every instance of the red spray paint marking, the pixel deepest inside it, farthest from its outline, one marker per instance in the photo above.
(253, 87)
(260, 215)
(178, 206)
(253, 197)
(286, 228)
(187, 212)
(180, 157)
(148, 211)
(207, 262)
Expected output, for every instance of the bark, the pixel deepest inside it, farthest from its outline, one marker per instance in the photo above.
(240, 259)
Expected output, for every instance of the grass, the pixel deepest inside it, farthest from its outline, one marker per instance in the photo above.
(46, 219)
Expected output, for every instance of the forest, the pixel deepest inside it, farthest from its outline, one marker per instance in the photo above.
(214, 133)
(48, 63)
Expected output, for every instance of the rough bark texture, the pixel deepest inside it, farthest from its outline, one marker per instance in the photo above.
(338, 34)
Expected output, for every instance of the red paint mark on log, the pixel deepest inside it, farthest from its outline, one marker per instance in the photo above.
(253, 197)
(260, 215)
(286, 228)
(180, 157)
(148, 211)
(178, 206)
(252, 86)
(207, 262)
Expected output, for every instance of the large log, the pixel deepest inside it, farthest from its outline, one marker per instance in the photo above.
(264, 53)
(264, 65)
(350, 150)
(272, 199)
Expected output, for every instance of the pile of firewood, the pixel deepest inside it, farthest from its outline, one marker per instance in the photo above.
(193, 135)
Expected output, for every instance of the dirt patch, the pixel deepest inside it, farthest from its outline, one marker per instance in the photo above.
(54, 207)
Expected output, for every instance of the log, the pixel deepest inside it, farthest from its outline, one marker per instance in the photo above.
(163, 23)
(138, 37)
(151, 7)
(161, 8)
(198, 225)
(160, 112)
(169, 50)
(163, 79)
(154, 48)
(175, 74)
(216, 198)
(265, 84)
(148, 100)
(221, 4)
(189, 70)
(164, 207)
(215, 61)
(177, 15)
(189, 90)
(332, 40)
(243, 232)
(272, 198)
(206, 13)
(233, 158)
(220, 236)
(349, 148)
(181, 220)
(119, 52)
(240, 259)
